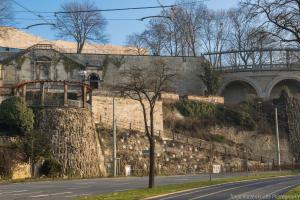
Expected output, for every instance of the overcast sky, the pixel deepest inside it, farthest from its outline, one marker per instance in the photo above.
(116, 30)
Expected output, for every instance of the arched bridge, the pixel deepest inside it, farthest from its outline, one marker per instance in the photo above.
(261, 73)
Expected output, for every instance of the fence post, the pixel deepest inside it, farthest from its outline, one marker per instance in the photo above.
(83, 95)
(65, 94)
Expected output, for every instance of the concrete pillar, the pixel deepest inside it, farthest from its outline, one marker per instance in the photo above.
(83, 95)
(24, 92)
(42, 91)
(65, 94)
(16, 92)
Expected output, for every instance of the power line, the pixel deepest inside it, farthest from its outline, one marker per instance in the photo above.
(108, 19)
(108, 10)
(30, 11)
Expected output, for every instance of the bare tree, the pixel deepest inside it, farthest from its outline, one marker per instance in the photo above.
(214, 34)
(6, 15)
(136, 44)
(82, 22)
(5, 12)
(145, 84)
(281, 17)
(187, 19)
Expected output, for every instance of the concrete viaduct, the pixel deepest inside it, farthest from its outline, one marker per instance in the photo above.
(260, 73)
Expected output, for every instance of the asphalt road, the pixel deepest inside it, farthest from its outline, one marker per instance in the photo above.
(267, 189)
(65, 190)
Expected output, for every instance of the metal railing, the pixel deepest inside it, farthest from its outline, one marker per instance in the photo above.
(255, 59)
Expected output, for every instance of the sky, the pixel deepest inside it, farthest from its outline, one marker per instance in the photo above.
(116, 30)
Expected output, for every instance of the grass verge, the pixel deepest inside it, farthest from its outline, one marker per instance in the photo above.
(160, 190)
(293, 194)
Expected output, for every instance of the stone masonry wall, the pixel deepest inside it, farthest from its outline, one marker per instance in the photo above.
(74, 140)
(185, 155)
(128, 113)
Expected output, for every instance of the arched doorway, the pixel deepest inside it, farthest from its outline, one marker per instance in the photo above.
(238, 91)
(43, 68)
(292, 85)
(94, 81)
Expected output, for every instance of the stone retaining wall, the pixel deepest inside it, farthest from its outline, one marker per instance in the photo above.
(74, 140)
(128, 113)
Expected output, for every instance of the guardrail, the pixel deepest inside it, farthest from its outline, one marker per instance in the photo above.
(255, 59)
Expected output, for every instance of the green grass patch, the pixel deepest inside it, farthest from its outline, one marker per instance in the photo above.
(293, 194)
(144, 193)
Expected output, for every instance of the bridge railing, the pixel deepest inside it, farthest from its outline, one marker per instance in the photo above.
(257, 59)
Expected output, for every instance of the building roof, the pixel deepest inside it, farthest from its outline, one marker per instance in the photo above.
(15, 38)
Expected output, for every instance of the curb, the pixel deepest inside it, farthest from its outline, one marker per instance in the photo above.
(188, 190)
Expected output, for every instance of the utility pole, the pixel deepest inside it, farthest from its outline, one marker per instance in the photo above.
(211, 162)
(114, 141)
(277, 138)
(247, 168)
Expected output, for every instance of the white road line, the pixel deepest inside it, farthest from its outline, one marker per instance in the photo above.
(42, 195)
(281, 190)
(199, 197)
(121, 190)
(17, 191)
(86, 183)
(204, 189)
(122, 184)
(26, 193)
(46, 195)
(256, 191)
(77, 195)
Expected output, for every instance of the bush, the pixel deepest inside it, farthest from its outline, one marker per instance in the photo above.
(239, 118)
(16, 116)
(6, 163)
(209, 114)
(51, 168)
(196, 109)
(218, 138)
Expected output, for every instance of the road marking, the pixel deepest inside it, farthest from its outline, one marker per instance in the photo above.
(17, 191)
(199, 197)
(122, 184)
(26, 193)
(256, 191)
(46, 195)
(281, 190)
(86, 183)
(121, 190)
(204, 189)
(42, 195)
(76, 195)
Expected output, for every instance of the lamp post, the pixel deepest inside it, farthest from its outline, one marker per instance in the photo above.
(277, 138)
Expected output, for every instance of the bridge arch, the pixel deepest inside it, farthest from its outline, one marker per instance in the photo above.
(239, 89)
(275, 87)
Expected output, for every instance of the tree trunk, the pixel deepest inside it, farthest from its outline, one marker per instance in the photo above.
(152, 163)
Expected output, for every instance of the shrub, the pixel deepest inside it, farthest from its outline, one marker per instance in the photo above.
(209, 114)
(6, 164)
(51, 168)
(15, 115)
(218, 138)
(239, 118)
(196, 109)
